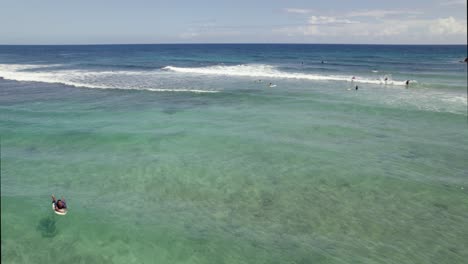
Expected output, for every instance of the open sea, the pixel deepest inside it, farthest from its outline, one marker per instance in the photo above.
(185, 154)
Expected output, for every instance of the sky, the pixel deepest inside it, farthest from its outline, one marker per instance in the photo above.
(234, 21)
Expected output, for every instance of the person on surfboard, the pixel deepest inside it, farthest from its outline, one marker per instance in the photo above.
(59, 205)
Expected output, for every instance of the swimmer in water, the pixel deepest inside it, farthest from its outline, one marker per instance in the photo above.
(59, 205)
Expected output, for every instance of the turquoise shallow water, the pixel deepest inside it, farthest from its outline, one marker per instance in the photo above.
(305, 173)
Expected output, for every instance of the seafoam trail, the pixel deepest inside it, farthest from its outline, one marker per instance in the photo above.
(268, 71)
(85, 78)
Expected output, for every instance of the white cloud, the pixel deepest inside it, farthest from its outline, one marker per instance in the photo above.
(188, 35)
(380, 13)
(390, 29)
(395, 30)
(356, 30)
(328, 20)
(449, 25)
(298, 10)
(453, 2)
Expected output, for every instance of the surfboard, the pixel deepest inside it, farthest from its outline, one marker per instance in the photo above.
(59, 213)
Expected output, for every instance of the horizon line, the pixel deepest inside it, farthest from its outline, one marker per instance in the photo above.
(236, 43)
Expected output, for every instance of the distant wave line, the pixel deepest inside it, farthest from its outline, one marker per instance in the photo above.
(17, 73)
(268, 71)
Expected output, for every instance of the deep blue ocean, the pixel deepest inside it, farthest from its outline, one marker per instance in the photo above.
(234, 153)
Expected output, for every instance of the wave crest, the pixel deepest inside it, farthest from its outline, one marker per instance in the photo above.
(268, 71)
(86, 79)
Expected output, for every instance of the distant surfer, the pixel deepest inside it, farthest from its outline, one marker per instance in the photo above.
(59, 206)
(407, 83)
(352, 79)
(323, 62)
(357, 88)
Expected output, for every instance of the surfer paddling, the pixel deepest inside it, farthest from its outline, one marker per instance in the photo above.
(59, 206)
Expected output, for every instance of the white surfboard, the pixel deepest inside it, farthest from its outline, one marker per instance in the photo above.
(57, 212)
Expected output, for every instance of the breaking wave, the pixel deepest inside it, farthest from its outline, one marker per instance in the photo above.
(268, 71)
(125, 80)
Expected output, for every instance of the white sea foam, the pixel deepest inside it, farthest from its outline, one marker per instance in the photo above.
(144, 80)
(178, 79)
(136, 80)
(268, 71)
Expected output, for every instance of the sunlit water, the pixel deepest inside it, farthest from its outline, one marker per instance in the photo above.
(179, 154)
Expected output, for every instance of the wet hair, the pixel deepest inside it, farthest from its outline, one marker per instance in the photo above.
(60, 204)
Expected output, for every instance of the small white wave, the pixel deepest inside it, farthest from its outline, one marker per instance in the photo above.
(456, 99)
(179, 90)
(22, 67)
(268, 71)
